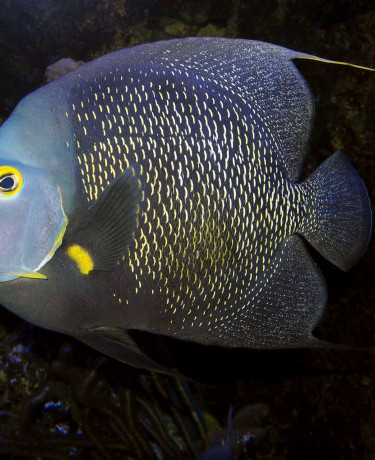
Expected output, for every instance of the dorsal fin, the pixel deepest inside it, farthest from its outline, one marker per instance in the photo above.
(263, 74)
(265, 77)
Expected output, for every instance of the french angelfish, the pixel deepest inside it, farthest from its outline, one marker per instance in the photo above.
(157, 189)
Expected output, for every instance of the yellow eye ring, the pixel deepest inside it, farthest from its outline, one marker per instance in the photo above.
(11, 181)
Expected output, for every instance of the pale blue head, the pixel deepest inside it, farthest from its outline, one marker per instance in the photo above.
(32, 214)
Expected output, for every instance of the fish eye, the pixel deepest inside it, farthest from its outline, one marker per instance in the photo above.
(8, 183)
(11, 181)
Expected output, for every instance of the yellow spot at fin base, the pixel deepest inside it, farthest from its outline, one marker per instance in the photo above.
(81, 257)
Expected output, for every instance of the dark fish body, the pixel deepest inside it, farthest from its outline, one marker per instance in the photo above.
(178, 209)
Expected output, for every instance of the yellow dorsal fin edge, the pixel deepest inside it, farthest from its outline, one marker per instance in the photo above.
(329, 61)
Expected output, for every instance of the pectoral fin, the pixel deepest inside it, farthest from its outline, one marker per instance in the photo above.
(9, 276)
(31, 274)
(107, 229)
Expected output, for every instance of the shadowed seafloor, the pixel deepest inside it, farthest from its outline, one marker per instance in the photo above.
(59, 398)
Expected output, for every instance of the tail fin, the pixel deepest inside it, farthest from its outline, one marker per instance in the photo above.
(339, 225)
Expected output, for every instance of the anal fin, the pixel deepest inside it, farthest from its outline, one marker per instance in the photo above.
(117, 343)
(290, 303)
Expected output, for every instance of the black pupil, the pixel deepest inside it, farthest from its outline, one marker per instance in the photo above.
(7, 183)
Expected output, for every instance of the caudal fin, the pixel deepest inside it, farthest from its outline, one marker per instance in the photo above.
(339, 220)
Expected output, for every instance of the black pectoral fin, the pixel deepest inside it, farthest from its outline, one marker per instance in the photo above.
(117, 343)
(107, 229)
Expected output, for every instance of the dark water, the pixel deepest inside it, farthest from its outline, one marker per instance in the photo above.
(320, 403)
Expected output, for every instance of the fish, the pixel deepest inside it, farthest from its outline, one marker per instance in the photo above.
(158, 189)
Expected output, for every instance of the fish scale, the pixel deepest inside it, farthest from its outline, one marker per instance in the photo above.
(225, 260)
(173, 203)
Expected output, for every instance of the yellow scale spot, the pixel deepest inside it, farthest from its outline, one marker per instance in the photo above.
(81, 257)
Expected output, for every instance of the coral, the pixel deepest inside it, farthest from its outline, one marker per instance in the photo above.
(87, 406)
(61, 67)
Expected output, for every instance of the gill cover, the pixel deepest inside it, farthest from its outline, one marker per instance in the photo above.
(32, 219)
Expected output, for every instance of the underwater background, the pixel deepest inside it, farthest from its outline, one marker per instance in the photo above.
(60, 399)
